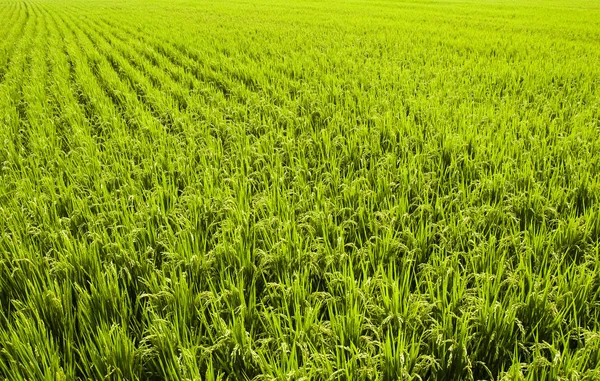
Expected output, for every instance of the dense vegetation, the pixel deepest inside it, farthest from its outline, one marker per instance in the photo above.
(349, 190)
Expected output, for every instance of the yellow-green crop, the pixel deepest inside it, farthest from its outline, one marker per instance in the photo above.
(299, 190)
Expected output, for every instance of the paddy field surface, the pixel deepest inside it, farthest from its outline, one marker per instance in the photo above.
(299, 190)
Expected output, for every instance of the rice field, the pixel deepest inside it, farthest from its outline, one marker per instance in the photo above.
(307, 190)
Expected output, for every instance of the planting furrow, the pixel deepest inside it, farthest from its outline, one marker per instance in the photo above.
(13, 109)
(125, 99)
(16, 28)
(34, 90)
(215, 78)
(146, 57)
(198, 95)
(280, 75)
(131, 69)
(72, 126)
(34, 137)
(104, 118)
(195, 98)
(115, 92)
(171, 102)
(8, 12)
(177, 73)
(89, 97)
(131, 124)
(57, 105)
(11, 39)
(198, 100)
(271, 103)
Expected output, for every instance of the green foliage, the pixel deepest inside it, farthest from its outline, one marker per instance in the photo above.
(310, 190)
